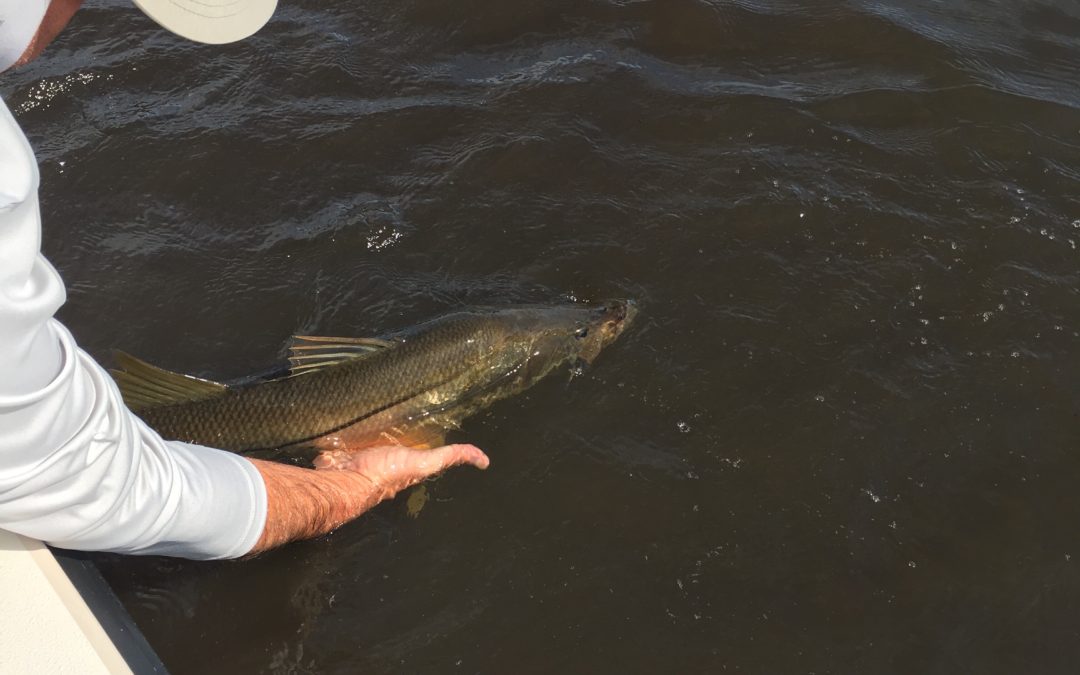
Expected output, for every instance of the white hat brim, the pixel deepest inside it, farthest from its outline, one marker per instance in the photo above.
(210, 21)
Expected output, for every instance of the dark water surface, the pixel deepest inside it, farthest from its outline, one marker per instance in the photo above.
(843, 436)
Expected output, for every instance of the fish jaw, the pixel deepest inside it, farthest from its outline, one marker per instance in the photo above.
(607, 323)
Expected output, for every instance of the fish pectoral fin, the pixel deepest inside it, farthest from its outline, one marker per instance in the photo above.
(308, 353)
(424, 434)
(145, 386)
(423, 437)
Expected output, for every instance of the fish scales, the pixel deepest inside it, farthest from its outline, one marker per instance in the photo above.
(296, 409)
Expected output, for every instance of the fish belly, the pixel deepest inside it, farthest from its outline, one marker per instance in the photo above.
(390, 427)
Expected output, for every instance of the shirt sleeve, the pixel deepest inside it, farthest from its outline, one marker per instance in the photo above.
(77, 468)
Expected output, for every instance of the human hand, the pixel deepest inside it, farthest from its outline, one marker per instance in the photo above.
(304, 503)
(393, 468)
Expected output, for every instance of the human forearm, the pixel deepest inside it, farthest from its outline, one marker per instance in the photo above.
(305, 503)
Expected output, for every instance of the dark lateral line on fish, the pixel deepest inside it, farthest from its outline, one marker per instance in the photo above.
(348, 424)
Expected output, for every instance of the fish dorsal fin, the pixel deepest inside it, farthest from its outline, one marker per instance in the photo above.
(308, 353)
(145, 386)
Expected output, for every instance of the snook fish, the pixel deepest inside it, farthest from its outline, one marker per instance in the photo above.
(351, 393)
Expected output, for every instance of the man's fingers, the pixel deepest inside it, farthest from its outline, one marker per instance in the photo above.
(397, 461)
(388, 470)
(461, 453)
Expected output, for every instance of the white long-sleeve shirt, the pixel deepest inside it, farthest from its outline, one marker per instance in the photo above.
(77, 468)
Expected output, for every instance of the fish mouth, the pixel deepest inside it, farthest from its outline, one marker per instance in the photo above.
(623, 311)
(616, 316)
(608, 323)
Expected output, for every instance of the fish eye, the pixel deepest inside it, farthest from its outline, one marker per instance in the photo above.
(582, 332)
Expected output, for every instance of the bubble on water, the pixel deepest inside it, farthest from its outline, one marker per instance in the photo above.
(911, 564)
(383, 238)
(683, 427)
(42, 94)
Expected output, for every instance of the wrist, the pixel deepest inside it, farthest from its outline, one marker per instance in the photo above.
(304, 503)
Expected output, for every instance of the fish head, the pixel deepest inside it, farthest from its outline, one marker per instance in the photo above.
(552, 336)
(487, 354)
(603, 326)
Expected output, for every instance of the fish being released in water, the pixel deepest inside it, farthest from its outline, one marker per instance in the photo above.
(351, 393)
